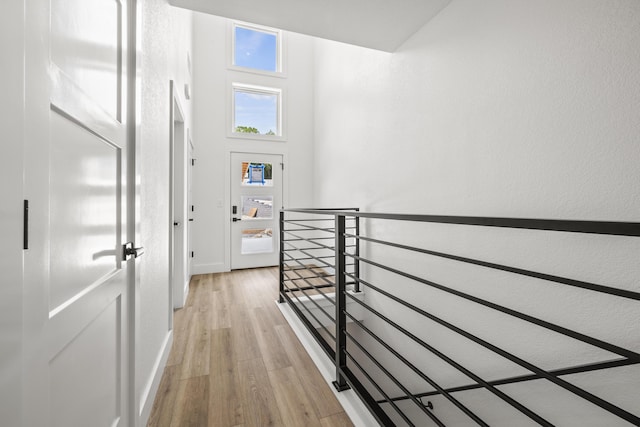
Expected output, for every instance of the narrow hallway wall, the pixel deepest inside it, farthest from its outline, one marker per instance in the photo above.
(506, 109)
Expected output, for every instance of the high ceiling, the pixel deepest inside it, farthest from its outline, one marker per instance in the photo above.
(377, 24)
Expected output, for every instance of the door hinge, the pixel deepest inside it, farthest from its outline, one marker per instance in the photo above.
(192, 254)
(282, 166)
(192, 208)
(25, 225)
(193, 162)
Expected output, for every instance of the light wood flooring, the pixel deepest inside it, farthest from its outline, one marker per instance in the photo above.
(236, 362)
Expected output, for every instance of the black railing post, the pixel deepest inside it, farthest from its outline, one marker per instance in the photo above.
(356, 267)
(281, 290)
(341, 318)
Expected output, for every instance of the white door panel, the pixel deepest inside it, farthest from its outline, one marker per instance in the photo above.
(256, 196)
(86, 45)
(91, 382)
(81, 189)
(85, 210)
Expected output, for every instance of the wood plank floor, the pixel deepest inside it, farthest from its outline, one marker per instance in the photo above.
(235, 362)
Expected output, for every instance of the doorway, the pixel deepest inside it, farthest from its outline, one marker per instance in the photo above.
(178, 235)
(256, 198)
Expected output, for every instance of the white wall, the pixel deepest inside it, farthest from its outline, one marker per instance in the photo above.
(212, 104)
(494, 108)
(166, 42)
(11, 195)
(497, 108)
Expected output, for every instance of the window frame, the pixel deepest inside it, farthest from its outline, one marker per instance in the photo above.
(250, 88)
(280, 63)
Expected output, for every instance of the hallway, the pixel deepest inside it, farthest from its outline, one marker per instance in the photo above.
(236, 362)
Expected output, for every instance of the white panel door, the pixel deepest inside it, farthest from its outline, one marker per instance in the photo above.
(81, 191)
(256, 199)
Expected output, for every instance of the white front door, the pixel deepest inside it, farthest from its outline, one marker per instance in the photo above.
(77, 285)
(256, 199)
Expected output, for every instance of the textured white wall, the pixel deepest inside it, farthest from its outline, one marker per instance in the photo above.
(166, 41)
(494, 108)
(497, 108)
(212, 80)
(12, 27)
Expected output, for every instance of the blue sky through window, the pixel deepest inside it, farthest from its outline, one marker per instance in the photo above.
(256, 49)
(257, 110)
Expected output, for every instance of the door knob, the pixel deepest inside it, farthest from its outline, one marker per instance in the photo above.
(236, 219)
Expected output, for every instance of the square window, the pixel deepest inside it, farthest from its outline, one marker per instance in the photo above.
(257, 174)
(257, 241)
(256, 110)
(256, 48)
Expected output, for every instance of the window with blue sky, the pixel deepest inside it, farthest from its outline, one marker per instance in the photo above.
(256, 110)
(255, 48)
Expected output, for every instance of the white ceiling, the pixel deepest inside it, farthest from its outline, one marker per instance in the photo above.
(377, 24)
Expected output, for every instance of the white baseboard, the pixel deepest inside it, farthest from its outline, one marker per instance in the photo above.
(353, 406)
(217, 267)
(148, 394)
(186, 291)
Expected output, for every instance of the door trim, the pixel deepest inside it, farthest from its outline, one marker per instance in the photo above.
(178, 289)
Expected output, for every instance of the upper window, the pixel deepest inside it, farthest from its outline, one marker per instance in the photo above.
(256, 48)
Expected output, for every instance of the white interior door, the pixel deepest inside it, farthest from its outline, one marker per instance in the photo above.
(78, 309)
(256, 199)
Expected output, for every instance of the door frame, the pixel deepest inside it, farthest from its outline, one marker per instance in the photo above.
(178, 157)
(227, 193)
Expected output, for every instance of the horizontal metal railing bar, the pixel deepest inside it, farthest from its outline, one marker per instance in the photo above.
(311, 314)
(366, 397)
(316, 335)
(523, 378)
(307, 288)
(297, 230)
(325, 280)
(301, 265)
(315, 286)
(307, 238)
(531, 319)
(498, 393)
(566, 281)
(382, 392)
(607, 406)
(572, 226)
(321, 276)
(320, 210)
(312, 241)
(422, 375)
(293, 248)
(322, 261)
(326, 284)
(308, 258)
(311, 228)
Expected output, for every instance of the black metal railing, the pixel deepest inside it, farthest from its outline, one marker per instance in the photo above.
(432, 336)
